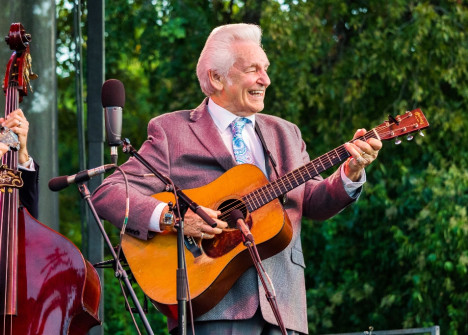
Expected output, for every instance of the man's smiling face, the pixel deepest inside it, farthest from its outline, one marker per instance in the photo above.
(244, 89)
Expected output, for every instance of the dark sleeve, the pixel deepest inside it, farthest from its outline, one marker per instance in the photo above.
(29, 193)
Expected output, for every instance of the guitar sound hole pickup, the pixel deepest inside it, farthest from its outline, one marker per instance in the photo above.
(227, 207)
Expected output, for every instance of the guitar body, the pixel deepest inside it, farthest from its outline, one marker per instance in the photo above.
(224, 258)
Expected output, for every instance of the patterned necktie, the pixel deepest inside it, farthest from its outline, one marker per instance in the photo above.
(241, 152)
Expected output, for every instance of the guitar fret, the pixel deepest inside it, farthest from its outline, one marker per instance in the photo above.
(265, 200)
(274, 188)
(288, 179)
(376, 135)
(323, 166)
(324, 161)
(301, 174)
(308, 173)
(296, 182)
(255, 196)
(269, 193)
(284, 185)
(316, 171)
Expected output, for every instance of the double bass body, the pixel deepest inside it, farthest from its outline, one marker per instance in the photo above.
(58, 291)
(46, 286)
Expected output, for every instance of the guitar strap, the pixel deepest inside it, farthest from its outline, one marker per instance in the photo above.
(283, 198)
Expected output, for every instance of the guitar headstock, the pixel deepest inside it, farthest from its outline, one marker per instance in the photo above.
(407, 123)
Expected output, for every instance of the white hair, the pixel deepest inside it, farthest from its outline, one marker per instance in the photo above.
(217, 54)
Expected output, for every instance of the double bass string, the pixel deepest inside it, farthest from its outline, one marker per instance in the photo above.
(9, 218)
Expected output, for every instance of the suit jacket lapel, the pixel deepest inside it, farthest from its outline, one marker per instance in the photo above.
(205, 130)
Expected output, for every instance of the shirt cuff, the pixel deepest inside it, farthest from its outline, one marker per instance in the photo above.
(156, 217)
(353, 188)
(28, 165)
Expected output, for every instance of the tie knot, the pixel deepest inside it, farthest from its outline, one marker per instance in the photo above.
(238, 125)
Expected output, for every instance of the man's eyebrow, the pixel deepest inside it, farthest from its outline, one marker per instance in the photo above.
(256, 64)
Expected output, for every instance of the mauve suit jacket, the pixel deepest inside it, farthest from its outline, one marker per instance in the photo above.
(186, 146)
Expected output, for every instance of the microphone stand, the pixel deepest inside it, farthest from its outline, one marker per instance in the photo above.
(249, 242)
(119, 270)
(185, 203)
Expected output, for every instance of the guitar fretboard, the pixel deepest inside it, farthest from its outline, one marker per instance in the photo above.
(295, 178)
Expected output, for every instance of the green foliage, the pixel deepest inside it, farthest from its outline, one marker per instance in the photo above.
(399, 256)
(396, 258)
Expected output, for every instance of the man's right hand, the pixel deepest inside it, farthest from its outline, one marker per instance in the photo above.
(196, 227)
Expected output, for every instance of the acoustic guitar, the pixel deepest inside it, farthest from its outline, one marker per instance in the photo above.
(223, 259)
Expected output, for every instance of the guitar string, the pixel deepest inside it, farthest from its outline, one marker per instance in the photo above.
(264, 195)
(289, 177)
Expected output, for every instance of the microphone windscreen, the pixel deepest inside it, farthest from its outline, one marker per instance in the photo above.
(113, 93)
(58, 183)
(236, 215)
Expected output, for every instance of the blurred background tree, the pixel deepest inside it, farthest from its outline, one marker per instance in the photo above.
(396, 259)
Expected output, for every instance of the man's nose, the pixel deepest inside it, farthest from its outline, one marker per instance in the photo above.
(264, 79)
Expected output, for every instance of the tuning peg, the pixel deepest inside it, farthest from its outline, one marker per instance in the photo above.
(409, 137)
(392, 119)
(421, 133)
(397, 141)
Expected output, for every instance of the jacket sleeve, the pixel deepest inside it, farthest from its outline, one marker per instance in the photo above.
(110, 197)
(29, 193)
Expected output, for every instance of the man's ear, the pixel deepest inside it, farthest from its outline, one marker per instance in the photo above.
(215, 80)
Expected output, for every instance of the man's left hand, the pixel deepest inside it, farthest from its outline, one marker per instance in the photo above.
(363, 153)
(18, 123)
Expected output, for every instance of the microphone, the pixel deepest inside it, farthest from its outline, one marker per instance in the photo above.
(113, 100)
(238, 217)
(59, 183)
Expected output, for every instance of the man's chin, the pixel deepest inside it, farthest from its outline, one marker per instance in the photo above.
(256, 108)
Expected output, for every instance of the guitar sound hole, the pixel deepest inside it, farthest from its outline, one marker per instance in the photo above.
(227, 207)
(231, 236)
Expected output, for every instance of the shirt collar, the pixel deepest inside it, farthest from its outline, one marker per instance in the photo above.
(222, 117)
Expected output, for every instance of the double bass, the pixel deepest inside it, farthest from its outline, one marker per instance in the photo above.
(46, 285)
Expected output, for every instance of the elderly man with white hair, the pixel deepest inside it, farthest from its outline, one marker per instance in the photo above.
(196, 146)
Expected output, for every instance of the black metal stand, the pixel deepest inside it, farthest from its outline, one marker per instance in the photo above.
(183, 202)
(119, 270)
(249, 242)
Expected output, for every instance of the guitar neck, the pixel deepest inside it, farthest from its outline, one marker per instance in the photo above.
(295, 178)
